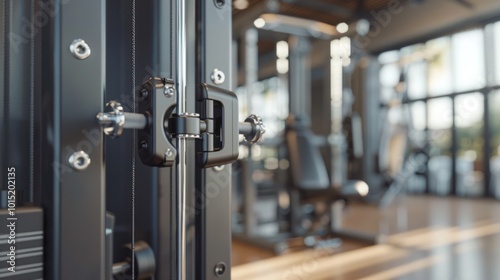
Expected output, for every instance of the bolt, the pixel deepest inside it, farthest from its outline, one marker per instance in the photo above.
(80, 49)
(219, 168)
(169, 153)
(218, 76)
(143, 146)
(219, 3)
(143, 94)
(169, 91)
(220, 269)
(79, 160)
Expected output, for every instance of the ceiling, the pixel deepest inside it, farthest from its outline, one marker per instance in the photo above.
(327, 11)
(420, 20)
(331, 12)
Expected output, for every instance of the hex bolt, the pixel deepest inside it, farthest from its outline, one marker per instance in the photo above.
(218, 76)
(79, 160)
(220, 269)
(169, 91)
(80, 49)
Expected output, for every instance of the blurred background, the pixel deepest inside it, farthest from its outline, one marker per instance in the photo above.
(401, 95)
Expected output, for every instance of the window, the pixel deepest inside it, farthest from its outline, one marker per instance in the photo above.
(468, 60)
(440, 121)
(417, 80)
(496, 47)
(447, 81)
(438, 52)
(469, 115)
(494, 108)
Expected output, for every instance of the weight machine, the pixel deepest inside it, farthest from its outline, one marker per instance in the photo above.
(307, 176)
(151, 200)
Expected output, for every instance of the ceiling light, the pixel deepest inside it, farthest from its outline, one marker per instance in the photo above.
(240, 4)
(259, 23)
(342, 27)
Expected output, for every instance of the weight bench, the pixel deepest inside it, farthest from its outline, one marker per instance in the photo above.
(309, 183)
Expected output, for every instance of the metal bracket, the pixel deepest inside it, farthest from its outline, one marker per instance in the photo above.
(216, 126)
(156, 106)
(219, 112)
(156, 102)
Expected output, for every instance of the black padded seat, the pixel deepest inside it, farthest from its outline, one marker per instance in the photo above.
(308, 171)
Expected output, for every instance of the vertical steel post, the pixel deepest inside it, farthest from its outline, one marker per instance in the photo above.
(213, 185)
(251, 78)
(300, 76)
(72, 93)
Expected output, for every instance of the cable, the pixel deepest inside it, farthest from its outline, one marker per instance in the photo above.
(7, 11)
(32, 106)
(133, 141)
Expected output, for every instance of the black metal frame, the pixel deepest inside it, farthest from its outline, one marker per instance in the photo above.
(69, 94)
(72, 91)
(214, 221)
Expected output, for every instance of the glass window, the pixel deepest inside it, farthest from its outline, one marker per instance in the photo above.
(418, 115)
(389, 78)
(438, 53)
(418, 123)
(417, 80)
(389, 75)
(389, 57)
(435, 70)
(494, 104)
(468, 60)
(496, 31)
(440, 120)
(469, 115)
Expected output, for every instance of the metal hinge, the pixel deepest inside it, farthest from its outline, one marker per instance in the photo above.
(216, 125)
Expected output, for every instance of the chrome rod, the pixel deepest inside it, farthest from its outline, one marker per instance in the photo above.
(181, 142)
(181, 209)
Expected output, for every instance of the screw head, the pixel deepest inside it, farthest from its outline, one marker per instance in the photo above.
(218, 76)
(169, 153)
(219, 168)
(143, 94)
(79, 160)
(220, 269)
(219, 3)
(80, 49)
(143, 146)
(169, 91)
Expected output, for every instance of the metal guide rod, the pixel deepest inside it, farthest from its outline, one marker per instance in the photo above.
(181, 142)
(336, 93)
(115, 121)
(336, 136)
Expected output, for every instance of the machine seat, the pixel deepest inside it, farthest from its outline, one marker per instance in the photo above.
(309, 175)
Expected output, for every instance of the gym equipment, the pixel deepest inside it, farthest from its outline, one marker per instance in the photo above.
(395, 161)
(158, 77)
(290, 232)
(306, 184)
(310, 182)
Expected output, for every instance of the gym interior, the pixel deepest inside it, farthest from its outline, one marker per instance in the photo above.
(250, 139)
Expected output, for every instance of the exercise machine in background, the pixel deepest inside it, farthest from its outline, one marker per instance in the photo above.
(304, 197)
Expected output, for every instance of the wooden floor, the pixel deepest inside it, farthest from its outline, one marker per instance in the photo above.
(425, 238)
